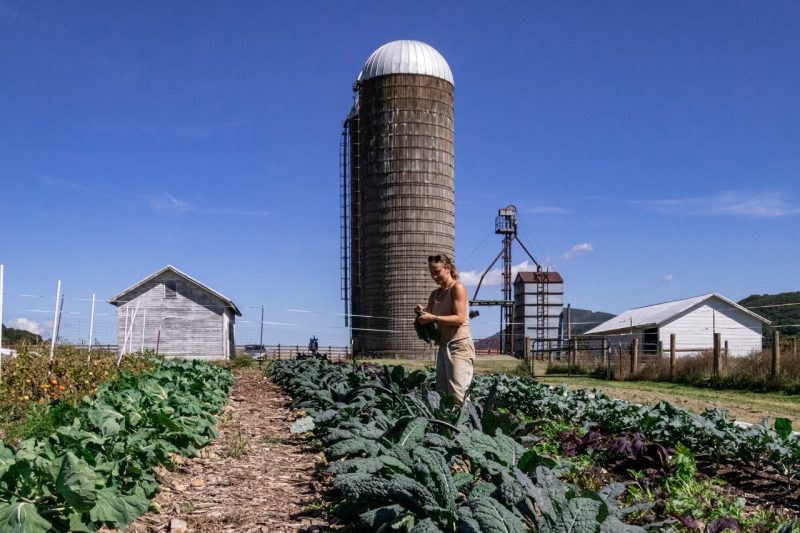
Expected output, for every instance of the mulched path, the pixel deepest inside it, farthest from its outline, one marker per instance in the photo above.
(255, 477)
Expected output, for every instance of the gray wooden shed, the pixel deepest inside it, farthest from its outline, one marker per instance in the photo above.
(177, 316)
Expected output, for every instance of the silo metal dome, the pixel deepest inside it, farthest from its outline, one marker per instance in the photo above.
(406, 57)
(401, 181)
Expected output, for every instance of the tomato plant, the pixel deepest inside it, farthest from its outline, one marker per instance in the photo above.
(29, 380)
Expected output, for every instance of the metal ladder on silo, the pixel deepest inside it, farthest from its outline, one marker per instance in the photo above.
(541, 311)
(344, 218)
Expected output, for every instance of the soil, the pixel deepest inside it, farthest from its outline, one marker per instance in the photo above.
(759, 488)
(255, 477)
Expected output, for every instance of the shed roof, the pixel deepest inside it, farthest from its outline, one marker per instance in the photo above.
(539, 277)
(116, 300)
(658, 314)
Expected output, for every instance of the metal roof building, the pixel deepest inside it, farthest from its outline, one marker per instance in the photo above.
(693, 321)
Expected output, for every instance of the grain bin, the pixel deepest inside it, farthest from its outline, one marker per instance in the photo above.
(398, 184)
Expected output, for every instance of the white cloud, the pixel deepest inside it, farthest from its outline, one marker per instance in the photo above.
(494, 276)
(667, 278)
(766, 204)
(52, 181)
(28, 325)
(169, 203)
(547, 210)
(234, 211)
(579, 249)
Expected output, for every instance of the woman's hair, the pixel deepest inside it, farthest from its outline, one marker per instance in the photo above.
(447, 261)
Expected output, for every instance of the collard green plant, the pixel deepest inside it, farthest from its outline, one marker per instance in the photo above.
(98, 470)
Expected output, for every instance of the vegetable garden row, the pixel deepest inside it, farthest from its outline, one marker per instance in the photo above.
(524, 456)
(98, 470)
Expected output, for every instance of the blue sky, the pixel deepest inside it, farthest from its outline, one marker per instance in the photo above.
(650, 147)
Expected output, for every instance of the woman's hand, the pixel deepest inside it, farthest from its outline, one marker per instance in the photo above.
(425, 318)
(418, 308)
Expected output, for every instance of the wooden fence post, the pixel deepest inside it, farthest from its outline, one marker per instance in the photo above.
(634, 355)
(716, 356)
(528, 356)
(776, 354)
(725, 355)
(671, 356)
(606, 354)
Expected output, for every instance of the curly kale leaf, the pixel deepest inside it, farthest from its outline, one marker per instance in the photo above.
(353, 447)
(494, 517)
(358, 465)
(425, 526)
(360, 486)
(463, 480)
(435, 473)
(376, 518)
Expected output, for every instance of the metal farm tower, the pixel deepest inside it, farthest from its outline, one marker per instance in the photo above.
(397, 181)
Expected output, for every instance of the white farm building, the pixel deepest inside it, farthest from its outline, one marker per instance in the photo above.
(693, 321)
(177, 316)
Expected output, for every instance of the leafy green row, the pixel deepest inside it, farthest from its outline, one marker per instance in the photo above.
(768, 448)
(406, 459)
(99, 470)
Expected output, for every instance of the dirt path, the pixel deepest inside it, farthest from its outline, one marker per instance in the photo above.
(255, 477)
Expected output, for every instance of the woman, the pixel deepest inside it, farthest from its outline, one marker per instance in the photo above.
(447, 307)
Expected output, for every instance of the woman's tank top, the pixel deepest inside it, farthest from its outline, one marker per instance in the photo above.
(443, 304)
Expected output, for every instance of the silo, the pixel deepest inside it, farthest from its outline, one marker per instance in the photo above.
(401, 191)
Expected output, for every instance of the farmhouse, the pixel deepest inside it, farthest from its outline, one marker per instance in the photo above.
(693, 321)
(175, 315)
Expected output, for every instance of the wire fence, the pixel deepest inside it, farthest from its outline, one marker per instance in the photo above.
(774, 367)
(85, 319)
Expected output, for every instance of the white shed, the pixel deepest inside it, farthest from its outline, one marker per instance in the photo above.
(693, 321)
(175, 315)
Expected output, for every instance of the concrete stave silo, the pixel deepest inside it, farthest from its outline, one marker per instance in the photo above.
(401, 192)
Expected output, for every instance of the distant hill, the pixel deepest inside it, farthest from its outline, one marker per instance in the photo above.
(12, 336)
(582, 321)
(778, 313)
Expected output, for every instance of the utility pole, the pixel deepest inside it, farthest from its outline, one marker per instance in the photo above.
(261, 326)
(91, 324)
(1, 321)
(56, 315)
(261, 335)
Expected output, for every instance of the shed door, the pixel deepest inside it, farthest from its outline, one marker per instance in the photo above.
(650, 341)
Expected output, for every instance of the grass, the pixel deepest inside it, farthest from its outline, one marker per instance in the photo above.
(483, 365)
(237, 443)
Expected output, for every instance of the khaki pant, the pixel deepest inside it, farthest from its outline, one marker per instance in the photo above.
(454, 368)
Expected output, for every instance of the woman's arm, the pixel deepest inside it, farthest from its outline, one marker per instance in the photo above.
(420, 309)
